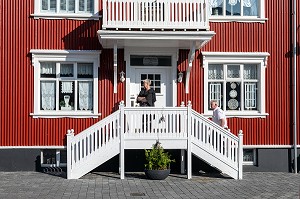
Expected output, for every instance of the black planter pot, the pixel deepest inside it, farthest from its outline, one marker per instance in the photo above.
(157, 174)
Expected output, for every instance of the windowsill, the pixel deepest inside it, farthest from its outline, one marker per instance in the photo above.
(65, 114)
(249, 163)
(239, 114)
(236, 19)
(81, 16)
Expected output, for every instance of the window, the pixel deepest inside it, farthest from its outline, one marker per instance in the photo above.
(155, 81)
(66, 8)
(237, 9)
(66, 83)
(249, 157)
(236, 82)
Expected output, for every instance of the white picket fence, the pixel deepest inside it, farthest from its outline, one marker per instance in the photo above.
(141, 127)
(155, 14)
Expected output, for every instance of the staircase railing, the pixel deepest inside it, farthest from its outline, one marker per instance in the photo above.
(139, 127)
(219, 143)
(93, 146)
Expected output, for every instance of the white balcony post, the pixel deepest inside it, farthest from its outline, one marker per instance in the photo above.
(182, 153)
(122, 131)
(240, 156)
(189, 146)
(70, 137)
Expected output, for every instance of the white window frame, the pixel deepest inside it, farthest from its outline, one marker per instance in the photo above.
(254, 162)
(90, 56)
(38, 13)
(225, 18)
(259, 58)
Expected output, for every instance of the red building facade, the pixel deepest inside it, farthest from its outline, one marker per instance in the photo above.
(26, 33)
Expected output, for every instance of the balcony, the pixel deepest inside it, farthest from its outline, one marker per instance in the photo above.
(155, 15)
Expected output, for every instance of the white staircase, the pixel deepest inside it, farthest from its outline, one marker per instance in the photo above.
(140, 127)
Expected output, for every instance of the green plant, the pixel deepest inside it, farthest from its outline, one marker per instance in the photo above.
(62, 103)
(157, 158)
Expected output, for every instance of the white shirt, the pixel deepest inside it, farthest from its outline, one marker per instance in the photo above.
(219, 114)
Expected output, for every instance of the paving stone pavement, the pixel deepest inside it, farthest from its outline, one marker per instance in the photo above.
(108, 185)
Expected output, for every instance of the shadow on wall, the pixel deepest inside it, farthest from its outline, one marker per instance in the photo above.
(298, 164)
(290, 53)
(84, 36)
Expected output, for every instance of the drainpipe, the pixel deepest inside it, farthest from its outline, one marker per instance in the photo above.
(295, 85)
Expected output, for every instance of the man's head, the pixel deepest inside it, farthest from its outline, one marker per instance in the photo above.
(147, 83)
(213, 104)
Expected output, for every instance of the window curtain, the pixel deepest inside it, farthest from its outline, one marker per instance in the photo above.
(66, 87)
(85, 69)
(85, 95)
(215, 72)
(47, 68)
(66, 69)
(252, 4)
(250, 72)
(48, 95)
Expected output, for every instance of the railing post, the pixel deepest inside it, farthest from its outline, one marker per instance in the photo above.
(70, 137)
(182, 153)
(189, 144)
(240, 156)
(122, 131)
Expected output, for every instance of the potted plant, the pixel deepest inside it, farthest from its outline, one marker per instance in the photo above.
(158, 161)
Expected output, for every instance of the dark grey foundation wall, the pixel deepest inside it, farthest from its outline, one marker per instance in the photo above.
(274, 160)
(20, 159)
(268, 160)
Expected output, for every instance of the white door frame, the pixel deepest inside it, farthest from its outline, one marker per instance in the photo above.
(173, 52)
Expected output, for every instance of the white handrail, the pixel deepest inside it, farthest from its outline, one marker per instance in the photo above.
(158, 14)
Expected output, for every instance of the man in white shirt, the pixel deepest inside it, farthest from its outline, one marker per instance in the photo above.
(218, 114)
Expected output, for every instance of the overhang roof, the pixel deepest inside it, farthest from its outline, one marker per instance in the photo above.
(178, 39)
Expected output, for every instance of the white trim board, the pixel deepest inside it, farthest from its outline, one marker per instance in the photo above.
(33, 147)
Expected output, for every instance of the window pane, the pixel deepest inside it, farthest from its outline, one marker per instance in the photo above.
(66, 70)
(85, 95)
(48, 95)
(71, 6)
(233, 96)
(215, 92)
(250, 96)
(44, 4)
(81, 5)
(90, 6)
(146, 60)
(233, 71)
(53, 5)
(48, 69)
(63, 5)
(215, 71)
(217, 7)
(66, 95)
(85, 70)
(250, 7)
(250, 71)
(233, 7)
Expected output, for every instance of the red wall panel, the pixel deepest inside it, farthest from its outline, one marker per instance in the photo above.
(20, 33)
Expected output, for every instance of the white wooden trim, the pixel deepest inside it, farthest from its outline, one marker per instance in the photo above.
(260, 58)
(237, 19)
(39, 55)
(38, 13)
(269, 146)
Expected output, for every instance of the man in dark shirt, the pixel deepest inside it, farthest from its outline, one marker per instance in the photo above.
(147, 95)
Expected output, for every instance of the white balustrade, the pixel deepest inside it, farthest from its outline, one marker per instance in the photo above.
(139, 127)
(156, 14)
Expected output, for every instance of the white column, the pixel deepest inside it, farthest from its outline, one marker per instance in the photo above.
(122, 155)
(240, 155)
(189, 144)
(70, 137)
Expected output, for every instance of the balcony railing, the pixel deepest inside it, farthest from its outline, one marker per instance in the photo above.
(158, 14)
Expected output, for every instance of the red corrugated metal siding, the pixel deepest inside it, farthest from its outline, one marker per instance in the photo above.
(273, 37)
(20, 33)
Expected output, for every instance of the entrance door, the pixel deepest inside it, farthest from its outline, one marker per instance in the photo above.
(159, 82)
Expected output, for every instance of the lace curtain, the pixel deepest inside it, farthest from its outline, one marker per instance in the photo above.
(66, 87)
(85, 69)
(85, 90)
(215, 72)
(47, 68)
(48, 95)
(250, 72)
(66, 70)
(233, 71)
(252, 4)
